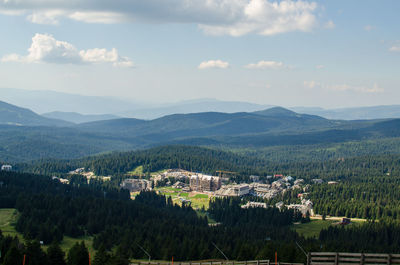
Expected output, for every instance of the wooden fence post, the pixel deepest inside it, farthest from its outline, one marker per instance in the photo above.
(362, 259)
(389, 259)
(308, 258)
(336, 258)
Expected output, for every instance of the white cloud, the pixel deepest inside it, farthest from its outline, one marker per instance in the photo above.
(45, 48)
(268, 18)
(48, 17)
(311, 84)
(217, 17)
(369, 27)
(266, 65)
(213, 64)
(375, 88)
(395, 48)
(330, 25)
(320, 66)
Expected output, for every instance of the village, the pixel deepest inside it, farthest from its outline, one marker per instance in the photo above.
(197, 189)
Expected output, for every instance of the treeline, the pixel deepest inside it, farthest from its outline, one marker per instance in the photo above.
(48, 210)
(208, 161)
(121, 227)
(372, 237)
(363, 197)
(31, 253)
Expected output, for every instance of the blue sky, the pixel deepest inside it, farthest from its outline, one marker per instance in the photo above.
(289, 53)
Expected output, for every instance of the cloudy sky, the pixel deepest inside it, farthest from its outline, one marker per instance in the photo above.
(290, 53)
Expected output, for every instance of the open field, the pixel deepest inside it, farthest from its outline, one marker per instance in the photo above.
(136, 172)
(313, 228)
(337, 218)
(198, 200)
(8, 218)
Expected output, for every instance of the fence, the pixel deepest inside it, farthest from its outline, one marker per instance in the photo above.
(336, 258)
(249, 262)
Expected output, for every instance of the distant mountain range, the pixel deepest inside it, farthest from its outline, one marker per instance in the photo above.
(51, 101)
(25, 135)
(75, 117)
(356, 113)
(60, 105)
(194, 106)
(13, 115)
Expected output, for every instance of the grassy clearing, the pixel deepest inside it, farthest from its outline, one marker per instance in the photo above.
(211, 221)
(8, 218)
(200, 196)
(312, 228)
(138, 171)
(198, 200)
(68, 242)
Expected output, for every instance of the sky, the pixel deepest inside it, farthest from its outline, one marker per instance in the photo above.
(291, 53)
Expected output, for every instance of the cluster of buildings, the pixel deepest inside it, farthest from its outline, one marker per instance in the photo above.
(63, 181)
(305, 207)
(135, 185)
(189, 181)
(200, 182)
(266, 191)
(6, 168)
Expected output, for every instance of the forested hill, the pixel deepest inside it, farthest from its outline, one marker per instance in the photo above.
(209, 161)
(275, 127)
(13, 115)
(49, 210)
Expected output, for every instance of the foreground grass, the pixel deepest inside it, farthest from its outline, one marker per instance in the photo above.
(9, 217)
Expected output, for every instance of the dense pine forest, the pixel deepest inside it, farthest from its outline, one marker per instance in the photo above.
(49, 210)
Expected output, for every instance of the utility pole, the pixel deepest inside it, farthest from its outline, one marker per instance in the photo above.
(144, 251)
(220, 250)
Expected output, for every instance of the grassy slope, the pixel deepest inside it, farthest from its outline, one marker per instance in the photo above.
(8, 218)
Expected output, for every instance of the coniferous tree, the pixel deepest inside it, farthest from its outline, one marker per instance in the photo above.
(55, 255)
(78, 255)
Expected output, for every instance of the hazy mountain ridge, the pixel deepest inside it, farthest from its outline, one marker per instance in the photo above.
(356, 113)
(272, 127)
(77, 117)
(13, 115)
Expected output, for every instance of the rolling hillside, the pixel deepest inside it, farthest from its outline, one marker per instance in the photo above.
(40, 137)
(13, 115)
(75, 117)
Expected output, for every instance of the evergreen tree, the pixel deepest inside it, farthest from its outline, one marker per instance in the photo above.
(55, 255)
(13, 256)
(78, 255)
(34, 254)
(101, 257)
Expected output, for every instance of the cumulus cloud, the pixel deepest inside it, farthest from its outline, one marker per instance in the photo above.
(213, 64)
(45, 48)
(217, 17)
(375, 88)
(330, 25)
(369, 28)
(395, 48)
(266, 65)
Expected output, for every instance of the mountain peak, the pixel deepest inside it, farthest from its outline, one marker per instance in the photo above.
(276, 111)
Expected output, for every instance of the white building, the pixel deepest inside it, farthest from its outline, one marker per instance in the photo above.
(233, 190)
(6, 167)
(134, 185)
